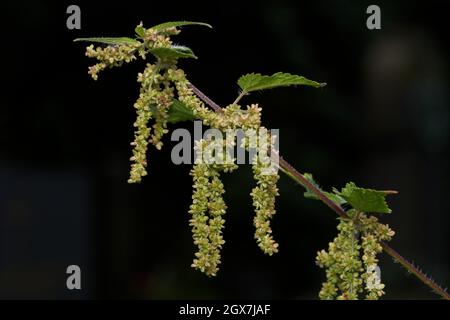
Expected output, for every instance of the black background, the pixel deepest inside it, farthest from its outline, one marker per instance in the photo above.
(382, 122)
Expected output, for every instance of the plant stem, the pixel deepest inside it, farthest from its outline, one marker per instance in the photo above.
(294, 174)
(205, 98)
(416, 271)
(243, 93)
(299, 178)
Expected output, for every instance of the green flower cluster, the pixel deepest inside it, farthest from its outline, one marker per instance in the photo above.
(156, 92)
(155, 98)
(157, 38)
(207, 209)
(266, 176)
(160, 84)
(163, 100)
(111, 56)
(264, 202)
(373, 233)
(351, 259)
(142, 132)
(233, 117)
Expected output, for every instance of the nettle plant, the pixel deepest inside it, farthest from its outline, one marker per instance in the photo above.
(166, 96)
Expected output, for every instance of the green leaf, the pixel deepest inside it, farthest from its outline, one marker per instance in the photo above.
(333, 197)
(109, 40)
(365, 200)
(140, 31)
(178, 112)
(173, 52)
(171, 24)
(255, 81)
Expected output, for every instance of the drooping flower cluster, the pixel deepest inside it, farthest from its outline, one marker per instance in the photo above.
(207, 209)
(213, 154)
(160, 84)
(342, 264)
(264, 202)
(266, 176)
(233, 117)
(373, 233)
(156, 92)
(351, 260)
(142, 131)
(155, 98)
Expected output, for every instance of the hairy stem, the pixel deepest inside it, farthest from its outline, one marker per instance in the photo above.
(205, 98)
(294, 174)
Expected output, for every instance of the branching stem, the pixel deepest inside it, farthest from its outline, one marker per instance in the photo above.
(294, 174)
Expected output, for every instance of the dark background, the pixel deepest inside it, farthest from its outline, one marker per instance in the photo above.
(382, 122)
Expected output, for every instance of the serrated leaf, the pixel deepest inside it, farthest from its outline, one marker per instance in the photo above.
(333, 197)
(255, 81)
(365, 200)
(177, 112)
(109, 40)
(140, 31)
(171, 24)
(173, 52)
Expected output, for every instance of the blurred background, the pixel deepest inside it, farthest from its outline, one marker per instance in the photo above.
(382, 121)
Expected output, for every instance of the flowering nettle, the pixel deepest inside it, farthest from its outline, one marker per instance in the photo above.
(163, 83)
(166, 96)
